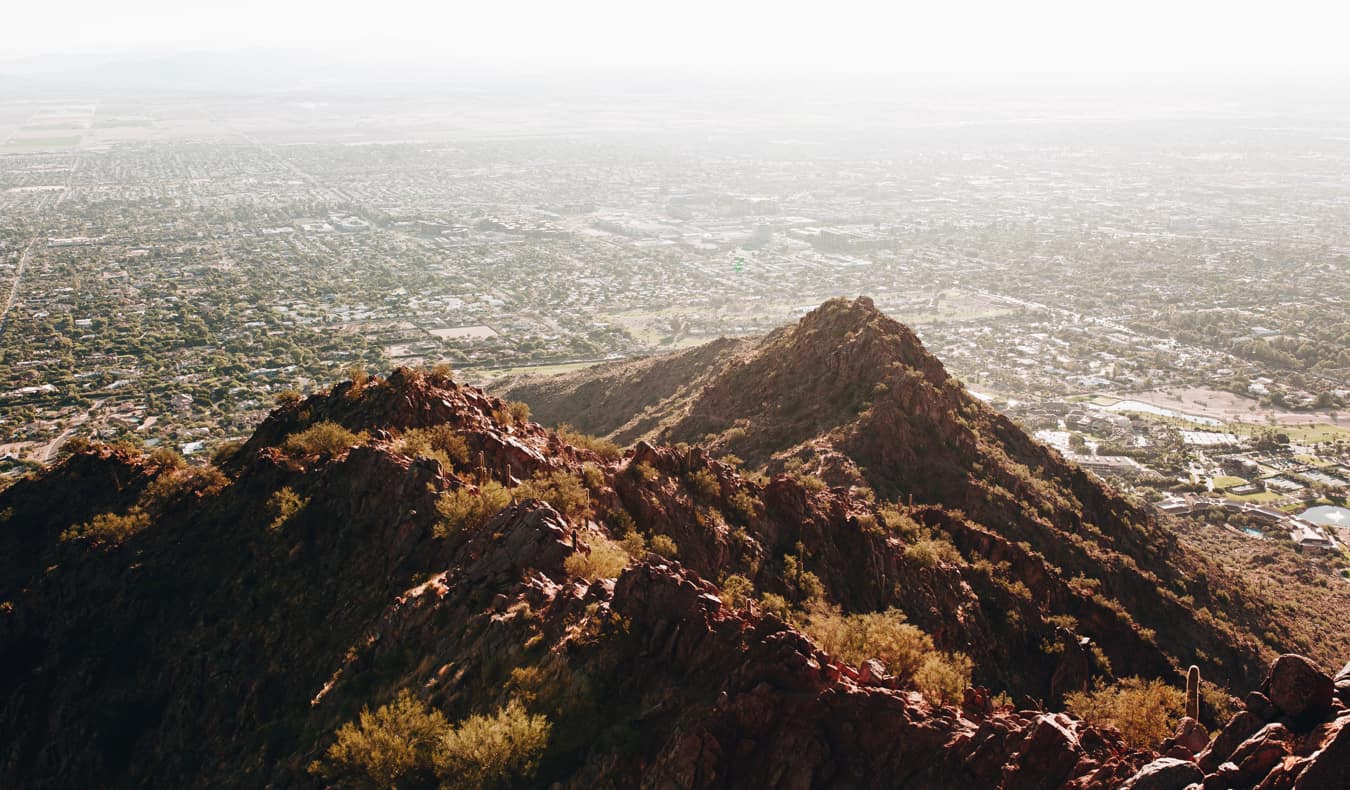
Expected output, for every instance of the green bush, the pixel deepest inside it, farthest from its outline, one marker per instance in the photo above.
(633, 543)
(284, 504)
(645, 472)
(703, 484)
(441, 442)
(564, 491)
(465, 508)
(606, 559)
(855, 638)
(944, 677)
(395, 744)
(409, 743)
(602, 447)
(737, 591)
(901, 524)
(810, 482)
(929, 552)
(225, 451)
(743, 505)
(108, 529)
(663, 545)
(1145, 712)
(805, 584)
(492, 751)
(322, 438)
(775, 604)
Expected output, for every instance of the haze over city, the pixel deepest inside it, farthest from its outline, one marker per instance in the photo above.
(708, 394)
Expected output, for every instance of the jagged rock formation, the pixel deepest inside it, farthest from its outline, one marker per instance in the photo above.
(222, 637)
(852, 396)
(217, 647)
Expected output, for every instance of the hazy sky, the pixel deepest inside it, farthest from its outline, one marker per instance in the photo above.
(1032, 35)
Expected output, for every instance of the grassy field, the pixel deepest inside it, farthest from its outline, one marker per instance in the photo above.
(1228, 481)
(1265, 497)
(1301, 434)
(492, 374)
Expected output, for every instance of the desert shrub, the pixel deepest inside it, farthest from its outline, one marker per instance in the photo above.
(322, 438)
(645, 472)
(620, 523)
(108, 529)
(288, 398)
(360, 378)
(943, 677)
(74, 446)
(742, 504)
(1217, 702)
(1145, 711)
(855, 638)
(441, 442)
(564, 491)
(901, 524)
(602, 447)
(284, 504)
(732, 460)
(169, 484)
(663, 545)
(167, 458)
(442, 371)
(225, 451)
(592, 475)
(737, 591)
(464, 508)
(488, 751)
(805, 584)
(515, 412)
(810, 482)
(633, 543)
(929, 552)
(395, 744)
(775, 604)
(702, 483)
(606, 559)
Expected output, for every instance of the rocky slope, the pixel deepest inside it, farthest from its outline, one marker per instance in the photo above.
(170, 626)
(852, 396)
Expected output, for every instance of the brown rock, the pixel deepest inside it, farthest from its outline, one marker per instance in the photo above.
(1298, 688)
(1165, 773)
(1241, 727)
(1342, 681)
(1330, 767)
(1191, 736)
(872, 671)
(1047, 756)
(1260, 705)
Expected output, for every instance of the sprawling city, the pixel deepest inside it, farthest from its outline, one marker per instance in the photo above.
(1171, 316)
(532, 422)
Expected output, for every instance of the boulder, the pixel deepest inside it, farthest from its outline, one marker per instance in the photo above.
(1342, 681)
(1241, 727)
(1298, 688)
(872, 671)
(1165, 773)
(1048, 755)
(1191, 736)
(1260, 705)
(1330, 766)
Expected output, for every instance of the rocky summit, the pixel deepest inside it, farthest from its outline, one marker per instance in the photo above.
(406, 582)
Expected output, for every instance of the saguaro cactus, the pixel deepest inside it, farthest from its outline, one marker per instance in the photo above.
(1193, 692)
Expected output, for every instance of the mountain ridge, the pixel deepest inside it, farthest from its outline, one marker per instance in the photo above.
(664, 611)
